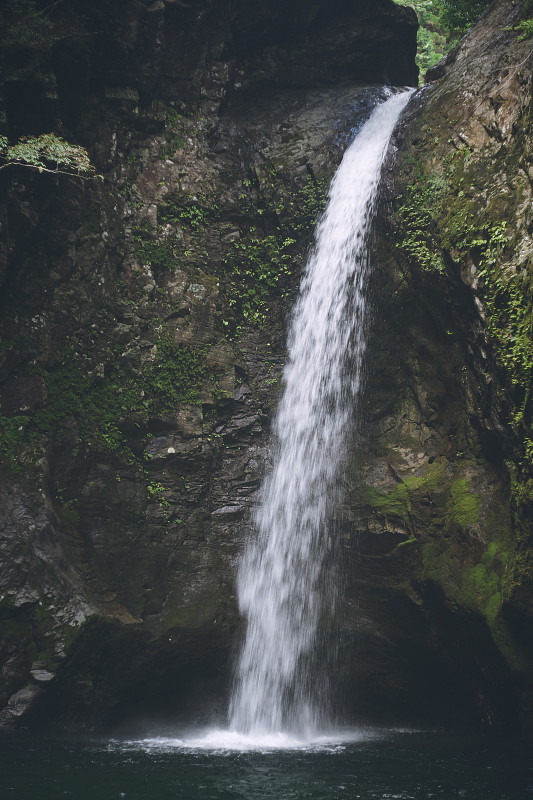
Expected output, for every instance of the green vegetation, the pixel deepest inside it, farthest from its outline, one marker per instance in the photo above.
(442, 23)
(27, 24)
(433, 39)
(176, 128)
(417, 246)
(461, 14)
(176, 376)
(192, 215)
(525, 26)
(464, 503)
(437, 216)
(27, 35)
(451, 220)
(158, 254)
(260, 265)
(461, 504)
(481, 584)
(161, 251)
(46, 153)
(156, 492)
(98, 405)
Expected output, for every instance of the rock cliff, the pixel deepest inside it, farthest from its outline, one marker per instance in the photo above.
(143, 323)
(439, 508)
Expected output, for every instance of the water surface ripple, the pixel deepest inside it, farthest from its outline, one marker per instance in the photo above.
(386, 765)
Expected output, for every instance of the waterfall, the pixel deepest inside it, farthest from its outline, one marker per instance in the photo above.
(282, 588)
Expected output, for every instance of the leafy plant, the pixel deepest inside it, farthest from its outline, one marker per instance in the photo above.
(192, 216)
(442, 23)
(24, 25)
(525, 28)
(98, 406)
(434, 38)
(177, 375)
(258, 268)
(461, 14)
(46, 153)
(156, 493)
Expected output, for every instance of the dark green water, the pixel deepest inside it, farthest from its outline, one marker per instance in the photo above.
(391, 766)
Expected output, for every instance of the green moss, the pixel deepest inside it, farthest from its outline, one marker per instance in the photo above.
(493, 606)
(261, 264)
(482, 584)
(259, 268)
(442, 213)
(410, 540)
(439, 566)
(99, 405)
(395, 503)
(13, 436)
(464, 503)
(158, 254)
(400, 500)
(479, 584)
(495, 550)
(176, 376)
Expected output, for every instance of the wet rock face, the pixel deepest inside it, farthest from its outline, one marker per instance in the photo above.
(143, 324)
(124, 55)
(438, 512)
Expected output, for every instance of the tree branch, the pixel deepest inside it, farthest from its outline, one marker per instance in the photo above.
(50, 171)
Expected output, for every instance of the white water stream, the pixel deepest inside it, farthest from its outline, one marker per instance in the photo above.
(282, 588)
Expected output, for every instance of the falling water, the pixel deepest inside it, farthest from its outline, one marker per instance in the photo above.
(281, 586)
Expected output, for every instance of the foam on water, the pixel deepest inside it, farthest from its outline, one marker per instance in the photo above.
(220, 740)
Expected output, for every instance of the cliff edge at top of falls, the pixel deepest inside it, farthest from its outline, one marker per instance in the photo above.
(59, 62)
(143, 317)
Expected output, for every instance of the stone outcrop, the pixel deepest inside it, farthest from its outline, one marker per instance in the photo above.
(143, 324)
(439, 505)
(143, 320)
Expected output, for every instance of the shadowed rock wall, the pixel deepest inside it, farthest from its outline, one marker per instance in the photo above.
(143, 324)
(143, 320)
(439, 504)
